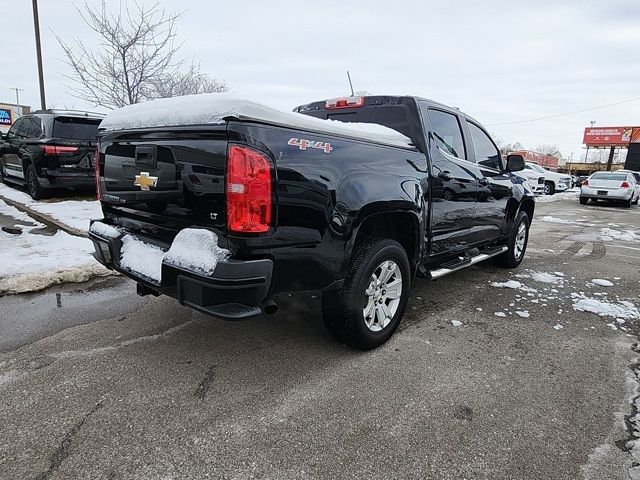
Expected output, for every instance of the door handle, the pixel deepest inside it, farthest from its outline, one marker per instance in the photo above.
(483, 181)
(446, 175)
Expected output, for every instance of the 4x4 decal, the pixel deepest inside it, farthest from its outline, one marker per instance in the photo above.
(303, 144)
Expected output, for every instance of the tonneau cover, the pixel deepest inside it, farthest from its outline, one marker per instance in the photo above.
(215, 109)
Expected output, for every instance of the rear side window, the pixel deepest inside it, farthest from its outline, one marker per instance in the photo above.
(447, 132)
(73, 128)
(486, 152)
(34, 130)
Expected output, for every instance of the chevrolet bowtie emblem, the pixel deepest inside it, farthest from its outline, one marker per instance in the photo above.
(144, 181)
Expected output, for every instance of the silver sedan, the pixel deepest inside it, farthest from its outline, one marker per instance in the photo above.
(610, 186)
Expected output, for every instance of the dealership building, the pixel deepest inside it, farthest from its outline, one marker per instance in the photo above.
(9, 113)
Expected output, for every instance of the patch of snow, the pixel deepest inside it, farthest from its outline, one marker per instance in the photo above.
(456, 323)
(74, 213)
(608, 234)
(508, 284)
(104, 230)
(500, 314)
(602, 282)
(571, 194)
(550, 219)
(196, 249)
(544, 277)
(141, 258)
(624, 310)
(523, 313)
(215, 109)
(558, 327)
(479, 309)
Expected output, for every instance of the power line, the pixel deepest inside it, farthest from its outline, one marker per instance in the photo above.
(563, 114)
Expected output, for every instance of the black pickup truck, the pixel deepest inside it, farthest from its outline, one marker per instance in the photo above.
(303, 204)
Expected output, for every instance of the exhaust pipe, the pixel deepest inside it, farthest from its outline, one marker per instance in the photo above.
(269, 307)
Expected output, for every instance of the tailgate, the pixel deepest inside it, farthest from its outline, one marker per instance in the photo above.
(172, 179)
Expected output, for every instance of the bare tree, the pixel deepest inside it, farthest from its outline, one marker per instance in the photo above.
(190, 82)
(136, 52)
(549, 149)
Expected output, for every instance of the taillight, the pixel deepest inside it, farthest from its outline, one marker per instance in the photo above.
(344, 102)
(585, 183)
(248, 190)
(98, 168)
(625, 185)
(57, 149)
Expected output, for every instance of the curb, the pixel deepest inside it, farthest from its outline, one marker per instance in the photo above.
(44, 218)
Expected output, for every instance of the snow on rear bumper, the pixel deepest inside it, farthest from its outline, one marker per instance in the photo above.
(236, 288)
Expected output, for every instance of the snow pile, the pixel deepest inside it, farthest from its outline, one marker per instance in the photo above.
(104, 230)
(141, 258)
(30, 261)
(523, 313)
(622, 310)
(544, 277)
(215, 108)
(193, 249)
(500, 314)
(570, 194)
(456, 323)
(602, 282)
(197, 250)
(558, 326)
(607, 234)
(508, 284)
(74, 213)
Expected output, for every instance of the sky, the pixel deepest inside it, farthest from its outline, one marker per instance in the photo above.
(498, 61)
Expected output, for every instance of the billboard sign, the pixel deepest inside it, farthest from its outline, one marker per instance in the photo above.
(607, 136)
(5, 116)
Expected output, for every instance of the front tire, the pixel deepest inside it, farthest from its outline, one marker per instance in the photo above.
(33, 184)
(516, 243)
(583, 201)
(367, 310)
(549, 188)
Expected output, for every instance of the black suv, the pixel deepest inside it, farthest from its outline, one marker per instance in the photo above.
(50, 149)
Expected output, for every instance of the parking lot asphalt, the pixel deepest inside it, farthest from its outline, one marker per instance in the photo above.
(113, 386)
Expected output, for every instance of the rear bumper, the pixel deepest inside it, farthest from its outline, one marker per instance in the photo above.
(617, 194)
(67, 178)
(237, 289)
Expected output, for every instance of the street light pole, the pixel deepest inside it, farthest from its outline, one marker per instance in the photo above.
(36, 26)
(18, 90)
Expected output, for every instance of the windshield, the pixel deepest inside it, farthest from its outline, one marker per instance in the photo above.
(75, 128)
(535, 167)
(609, 176)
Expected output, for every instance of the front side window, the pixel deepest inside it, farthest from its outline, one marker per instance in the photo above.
(13, 131)
(486, 152)
(447, 132)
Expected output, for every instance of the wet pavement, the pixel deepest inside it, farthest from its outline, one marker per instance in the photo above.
(96, 382)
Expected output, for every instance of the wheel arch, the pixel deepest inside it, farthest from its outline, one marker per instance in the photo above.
(402, 225)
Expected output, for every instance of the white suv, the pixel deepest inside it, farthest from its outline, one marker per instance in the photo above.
(534, 179)
(553, 181)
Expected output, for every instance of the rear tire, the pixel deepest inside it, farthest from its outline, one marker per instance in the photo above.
(33, 184)
(2, 173)
(583, 201)
(627, 203)
(635, 202)
(516, 243)
(367, 310)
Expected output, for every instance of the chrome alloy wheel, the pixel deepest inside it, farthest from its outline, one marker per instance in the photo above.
(521, 238)
(382, 296)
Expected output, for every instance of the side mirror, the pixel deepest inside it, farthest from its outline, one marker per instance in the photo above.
(515, 163)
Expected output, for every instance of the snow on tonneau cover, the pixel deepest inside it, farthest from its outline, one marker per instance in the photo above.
(215, 109)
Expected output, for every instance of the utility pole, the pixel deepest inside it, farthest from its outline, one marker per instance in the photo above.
(36, 26)
(17, 90)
